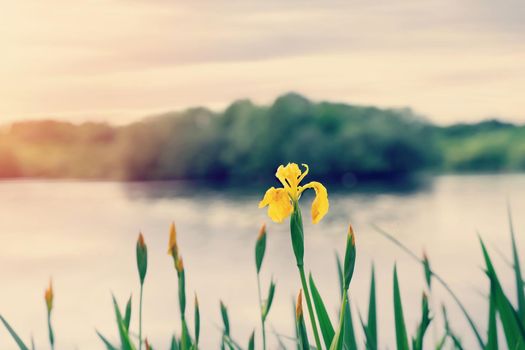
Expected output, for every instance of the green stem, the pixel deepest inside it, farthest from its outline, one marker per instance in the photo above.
(140, 317)
(261, 312)
(338, 338)
(51, 333)
(310, 308)
(343, 306)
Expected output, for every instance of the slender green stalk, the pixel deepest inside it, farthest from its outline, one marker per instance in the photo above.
(142, 267)
(337, 341)
(344, 301)
(310, 308)
(51, 334)
(261, 312)
(140, 316)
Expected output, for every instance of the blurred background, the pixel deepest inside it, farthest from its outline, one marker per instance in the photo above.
(120, 116)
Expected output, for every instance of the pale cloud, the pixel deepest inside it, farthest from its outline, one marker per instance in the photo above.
(118, 60)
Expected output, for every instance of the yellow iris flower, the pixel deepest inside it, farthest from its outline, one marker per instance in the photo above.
(280, 201)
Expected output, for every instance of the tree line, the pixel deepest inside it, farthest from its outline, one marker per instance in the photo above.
(246, 142)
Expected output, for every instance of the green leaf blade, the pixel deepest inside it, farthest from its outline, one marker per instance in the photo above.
(372, 341)
(327, 330)
(520, 288)
(401, 332)
(13, 334)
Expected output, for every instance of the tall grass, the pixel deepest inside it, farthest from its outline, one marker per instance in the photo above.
(323, 331)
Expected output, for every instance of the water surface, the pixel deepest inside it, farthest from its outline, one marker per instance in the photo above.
(83, 235)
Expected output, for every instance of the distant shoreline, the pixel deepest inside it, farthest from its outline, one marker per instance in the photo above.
(246, 142)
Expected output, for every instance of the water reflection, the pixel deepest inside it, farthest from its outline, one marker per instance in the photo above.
(171, 189)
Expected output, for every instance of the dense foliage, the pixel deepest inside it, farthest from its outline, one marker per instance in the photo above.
(245, 140)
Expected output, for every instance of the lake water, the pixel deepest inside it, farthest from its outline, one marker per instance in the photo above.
(83, 234)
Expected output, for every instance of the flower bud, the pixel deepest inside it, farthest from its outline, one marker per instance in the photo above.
(427, 270)
(140, 240)
(173, 248)
(48, 296)
(351, 235)
(197, 319)
(260, 248)
(262, 232)
(299, 323)
(299, 306)
(297, 234)
(350, 257)
(142, 258)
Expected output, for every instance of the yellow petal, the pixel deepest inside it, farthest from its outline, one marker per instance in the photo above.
(320, 204)
(278, 202)
(289, 175)
(306, 170)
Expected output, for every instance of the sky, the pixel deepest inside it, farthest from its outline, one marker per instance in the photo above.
(120, 60)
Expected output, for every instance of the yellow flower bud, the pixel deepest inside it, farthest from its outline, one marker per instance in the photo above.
(299, 305)
(351, 234)
(140, 241)
(49, 296)
(262, 232)
(173, 248)
(142, 258)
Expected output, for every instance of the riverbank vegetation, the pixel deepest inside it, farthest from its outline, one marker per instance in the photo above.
(246, 140)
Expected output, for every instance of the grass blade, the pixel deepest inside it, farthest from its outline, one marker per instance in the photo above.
(127, 316)
(251, 342)
(226, 331)
(225, 319)
(15, 336)
(438, 278)
(371, 327)
(492, 332)
(197, 320)
(125, 340)
(185, 339)
(174, 344)
(294, 308)
(349, 339)
(401, 331)
(520, 291)
(267, 305)
(106, 342)
(512, 327)
(327, 330)
(417, 342)
(449, 333)
(338, 339)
